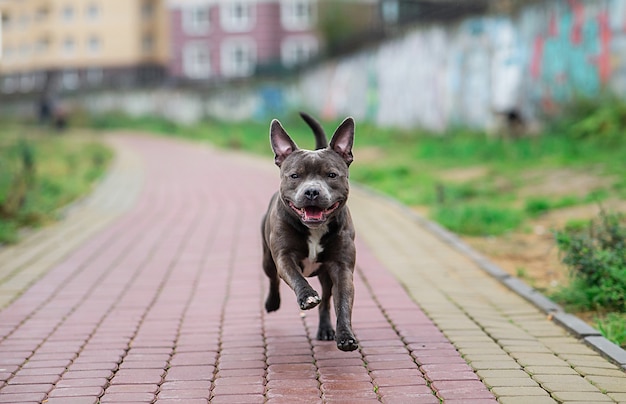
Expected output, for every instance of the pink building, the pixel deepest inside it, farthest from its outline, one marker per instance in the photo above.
(213, 39)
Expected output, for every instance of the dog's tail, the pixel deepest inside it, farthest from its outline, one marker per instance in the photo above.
(320, 137)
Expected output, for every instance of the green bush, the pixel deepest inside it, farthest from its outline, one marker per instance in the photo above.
(596, 258)
(606, 122)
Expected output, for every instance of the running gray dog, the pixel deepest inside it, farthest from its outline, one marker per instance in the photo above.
(308, 231)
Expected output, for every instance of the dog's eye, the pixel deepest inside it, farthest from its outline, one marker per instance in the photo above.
(332, 175)
(294, 176)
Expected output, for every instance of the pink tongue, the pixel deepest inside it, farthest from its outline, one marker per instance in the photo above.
(313, 213)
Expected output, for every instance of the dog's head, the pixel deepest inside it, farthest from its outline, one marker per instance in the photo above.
(314, 183)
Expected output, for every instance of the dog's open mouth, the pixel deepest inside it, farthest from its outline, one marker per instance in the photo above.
(313, 214)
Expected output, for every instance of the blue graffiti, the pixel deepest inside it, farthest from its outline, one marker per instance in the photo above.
(568, 68)
(272, 102)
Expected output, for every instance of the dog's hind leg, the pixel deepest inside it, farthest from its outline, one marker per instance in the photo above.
(272, 303)
(325, 331)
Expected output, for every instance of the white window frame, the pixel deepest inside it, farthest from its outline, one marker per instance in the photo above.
(147, 9)
(231, 22)
(41, 13)
(68, 47)
(9, 84)
(39, 80)
(24, 21)
(293, 47)
(25, 51)
(148, 42)
(42, 45)
(70, 79)
(67, 13)
(92, 11)
(94, 45)
(292, 20)
(94, 76)
(8, 54)
(196, 19)
(27, 82)
(6, 22)
(193, 67)
(230, 66)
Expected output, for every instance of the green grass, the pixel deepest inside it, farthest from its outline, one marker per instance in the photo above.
(41, 172)
(537, 206)
(613, 327)
(478, 219)
(248, 136)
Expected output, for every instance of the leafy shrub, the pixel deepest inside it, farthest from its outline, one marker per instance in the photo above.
(605, 123)
(601, 119)
(596, 258)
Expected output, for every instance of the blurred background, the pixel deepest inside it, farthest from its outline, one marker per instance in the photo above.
(426, 63)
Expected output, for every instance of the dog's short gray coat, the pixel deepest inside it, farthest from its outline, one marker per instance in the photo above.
(308, 231)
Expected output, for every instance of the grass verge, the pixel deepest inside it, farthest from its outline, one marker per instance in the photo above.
(40, 172)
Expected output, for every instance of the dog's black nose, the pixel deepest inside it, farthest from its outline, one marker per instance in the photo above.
(311, 193)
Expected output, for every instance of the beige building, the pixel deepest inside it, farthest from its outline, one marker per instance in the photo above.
(77, 43)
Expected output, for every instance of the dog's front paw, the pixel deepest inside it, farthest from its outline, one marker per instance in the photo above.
(308, 300)
(346, 342)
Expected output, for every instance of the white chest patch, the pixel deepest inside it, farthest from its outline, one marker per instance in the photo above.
(310, 264)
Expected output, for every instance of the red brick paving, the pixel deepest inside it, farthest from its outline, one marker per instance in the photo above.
(166, 305)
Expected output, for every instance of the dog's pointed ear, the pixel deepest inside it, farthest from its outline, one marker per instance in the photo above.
(343, 139)
(281, 143)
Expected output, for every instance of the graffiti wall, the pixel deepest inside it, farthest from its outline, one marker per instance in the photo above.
(470, 72)
(464, 73)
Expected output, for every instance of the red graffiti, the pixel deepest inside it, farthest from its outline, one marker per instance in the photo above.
(535, 63)
(604, 58)
(579, 19)
(553, 27)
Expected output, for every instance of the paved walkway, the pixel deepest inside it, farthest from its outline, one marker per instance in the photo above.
(151, 290)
